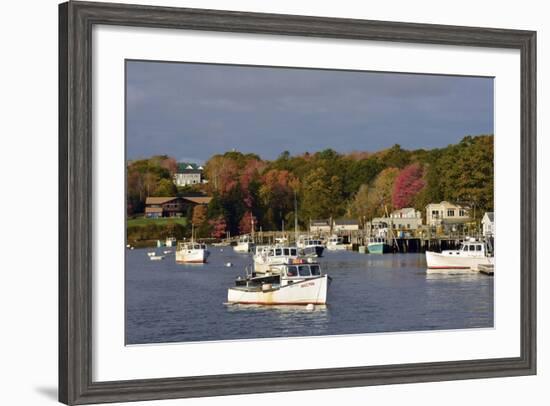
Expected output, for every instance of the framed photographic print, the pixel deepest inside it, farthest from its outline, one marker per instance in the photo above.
(258, 202)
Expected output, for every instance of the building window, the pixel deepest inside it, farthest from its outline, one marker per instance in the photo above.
(435, 213)
(450, 213)
(462, 213)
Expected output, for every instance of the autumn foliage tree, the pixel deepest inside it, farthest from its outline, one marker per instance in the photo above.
(277, 195)
(326, 183)
(199, 214)
(380, 193)
(148, 177)
(218, 227)
(407, 185)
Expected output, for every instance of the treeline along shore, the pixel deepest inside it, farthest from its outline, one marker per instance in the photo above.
(247, 191)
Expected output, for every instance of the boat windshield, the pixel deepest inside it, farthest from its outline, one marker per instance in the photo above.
(292, 271)
(315, 270)
(303, 270)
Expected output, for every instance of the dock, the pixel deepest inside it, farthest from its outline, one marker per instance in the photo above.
(487, 269)
(358, 239)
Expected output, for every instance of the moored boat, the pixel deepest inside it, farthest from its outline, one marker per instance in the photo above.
(300, 284)
(311, 247)
(191, 252)
(170, 242)
(245, 244)
(336, 243)
(267, 256)
(378, 245)
(469, 257)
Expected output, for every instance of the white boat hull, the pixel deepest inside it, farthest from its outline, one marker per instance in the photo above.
(337, 247)
(242, 248)
(193, 256)
(303, 292)
(444, 263)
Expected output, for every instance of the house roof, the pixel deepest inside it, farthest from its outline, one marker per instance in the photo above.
(346, 222)
(189, 171)
(198, 199)
(319, 222)
(446, 203)
(490, 215)
(189, 167)
(159, 200)
(403, 210)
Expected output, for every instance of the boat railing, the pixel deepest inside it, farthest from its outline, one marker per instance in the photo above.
(249, 272)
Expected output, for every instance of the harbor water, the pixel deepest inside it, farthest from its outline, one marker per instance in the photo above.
(169, 302)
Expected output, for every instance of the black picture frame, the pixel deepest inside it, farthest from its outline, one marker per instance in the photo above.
(76, 20)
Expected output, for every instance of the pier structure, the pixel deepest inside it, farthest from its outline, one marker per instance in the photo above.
(359, 238)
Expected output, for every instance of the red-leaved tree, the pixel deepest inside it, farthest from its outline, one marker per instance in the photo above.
(219, 227)
(407, 185)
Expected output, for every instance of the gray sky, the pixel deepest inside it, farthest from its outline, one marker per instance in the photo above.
(192, 111)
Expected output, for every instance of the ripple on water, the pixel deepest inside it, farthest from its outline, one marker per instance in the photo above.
(169, 302)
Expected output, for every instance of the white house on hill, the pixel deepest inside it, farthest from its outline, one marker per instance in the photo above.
(188, 174)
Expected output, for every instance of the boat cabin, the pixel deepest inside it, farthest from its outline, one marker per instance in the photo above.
(285, 275)
(310, 242)
(277, 251)
(471, 249)
(191, 246)
(377, 240)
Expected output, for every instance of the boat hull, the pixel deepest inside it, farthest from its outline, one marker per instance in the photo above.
(378, 248)
(304, 292)
(242, 248)
(337, 247)
(313, 251)
(446, 263)
(191, 256)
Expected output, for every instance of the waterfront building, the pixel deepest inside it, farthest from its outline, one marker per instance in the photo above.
(407, 219)
(319, 226)
(446, 213)
(344, 225)
(488, 224)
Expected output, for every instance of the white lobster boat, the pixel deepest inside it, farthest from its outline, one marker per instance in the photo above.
(469, 257)
(191, 253)
(336, 243)
(300, 284)
(245, 244)
(267, 256)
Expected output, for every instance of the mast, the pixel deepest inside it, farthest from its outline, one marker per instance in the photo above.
(295, 219)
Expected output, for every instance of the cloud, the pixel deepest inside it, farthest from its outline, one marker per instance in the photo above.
(198, 110)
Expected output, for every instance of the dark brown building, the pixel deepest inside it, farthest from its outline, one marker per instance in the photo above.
(172, 206)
